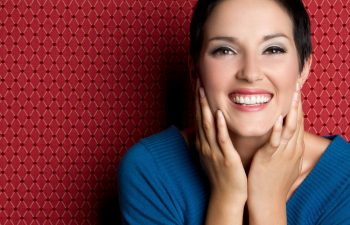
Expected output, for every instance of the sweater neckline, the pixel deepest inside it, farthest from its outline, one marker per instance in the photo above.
(322, 188)
(330, 165)
(333, 166)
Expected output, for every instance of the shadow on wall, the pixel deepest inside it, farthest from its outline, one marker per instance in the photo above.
(177, 102)
(178, 96)
(161, 56)
(108, 211)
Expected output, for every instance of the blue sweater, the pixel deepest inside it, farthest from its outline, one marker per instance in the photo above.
(161, 182)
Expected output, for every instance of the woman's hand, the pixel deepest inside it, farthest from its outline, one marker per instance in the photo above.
(221, 161)
(222, 164)
(275, 167)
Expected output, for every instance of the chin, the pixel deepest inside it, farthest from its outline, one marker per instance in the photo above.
(250, 130)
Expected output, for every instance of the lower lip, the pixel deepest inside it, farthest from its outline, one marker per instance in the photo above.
(250, 108)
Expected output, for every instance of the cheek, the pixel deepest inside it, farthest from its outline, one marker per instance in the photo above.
(215, 78)
(210, 72)
(285, 85)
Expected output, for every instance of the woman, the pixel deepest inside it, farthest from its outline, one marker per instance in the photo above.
(252, 162)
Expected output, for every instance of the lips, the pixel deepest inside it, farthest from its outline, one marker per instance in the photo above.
(250, 99)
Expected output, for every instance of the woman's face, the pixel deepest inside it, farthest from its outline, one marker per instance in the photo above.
(249, 64)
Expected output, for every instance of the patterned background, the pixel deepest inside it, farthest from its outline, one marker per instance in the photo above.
(81, 81)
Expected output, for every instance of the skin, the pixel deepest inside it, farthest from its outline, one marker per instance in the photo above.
(253, 159)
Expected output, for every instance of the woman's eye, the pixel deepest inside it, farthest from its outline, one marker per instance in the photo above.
(223, 51)
(274, 50)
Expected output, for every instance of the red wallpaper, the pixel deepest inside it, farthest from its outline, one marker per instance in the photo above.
(81, 81)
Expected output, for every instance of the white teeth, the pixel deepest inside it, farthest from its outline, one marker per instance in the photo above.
(247, 100)
(254, 99)
(241, 100)
(251, 100)
(258, 99)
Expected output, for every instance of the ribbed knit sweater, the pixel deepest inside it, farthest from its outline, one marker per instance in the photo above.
(161, 182)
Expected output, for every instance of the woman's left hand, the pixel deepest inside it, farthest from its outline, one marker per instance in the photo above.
(275, 167)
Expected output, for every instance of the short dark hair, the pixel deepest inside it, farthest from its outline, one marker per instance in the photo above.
(294, 8)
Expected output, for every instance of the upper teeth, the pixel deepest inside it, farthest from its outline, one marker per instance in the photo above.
(251, 99)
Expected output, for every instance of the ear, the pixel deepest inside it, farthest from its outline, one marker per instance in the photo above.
(305, 72)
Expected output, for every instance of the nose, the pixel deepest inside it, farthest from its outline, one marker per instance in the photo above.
(249, 70)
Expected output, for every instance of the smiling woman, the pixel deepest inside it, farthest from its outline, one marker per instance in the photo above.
(263, 62)
(249, 160)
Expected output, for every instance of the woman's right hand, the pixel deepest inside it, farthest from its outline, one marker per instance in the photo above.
(220, 160)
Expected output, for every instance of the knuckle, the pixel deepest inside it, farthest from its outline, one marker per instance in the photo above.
(288, 133)
(206, 126)
(284, 141)
(210, 156)
(274, 144)
(278, 128)
(222, 140)
(293, 127)
(202, 101)
(228, 163)
(205, 148)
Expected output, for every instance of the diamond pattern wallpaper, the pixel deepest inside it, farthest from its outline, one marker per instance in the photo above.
(81, 81)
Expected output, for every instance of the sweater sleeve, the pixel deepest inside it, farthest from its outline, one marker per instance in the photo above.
(144, 199)
(340, 211)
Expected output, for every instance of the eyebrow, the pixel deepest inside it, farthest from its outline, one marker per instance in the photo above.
(234, 39)
(223, 38)
(271, 36)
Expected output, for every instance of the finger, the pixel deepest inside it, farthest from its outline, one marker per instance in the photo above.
(301, 131)
(208, 123)
(291, 121)
(275, 137)
(200, 134)
(300, 119)
(296, 143)
(300, 141)
(223, 136)
(299, 122)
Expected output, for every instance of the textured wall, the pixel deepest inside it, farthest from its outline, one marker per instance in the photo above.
(81, 81)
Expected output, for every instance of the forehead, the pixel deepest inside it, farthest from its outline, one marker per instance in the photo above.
(246, 18)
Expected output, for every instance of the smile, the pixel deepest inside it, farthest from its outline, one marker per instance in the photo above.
(251, 99)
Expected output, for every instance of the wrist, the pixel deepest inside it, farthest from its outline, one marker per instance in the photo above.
(239, 199)
(225, 209)
(272, 211)
(258, 200)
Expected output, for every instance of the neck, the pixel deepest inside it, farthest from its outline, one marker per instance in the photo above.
(247, 147)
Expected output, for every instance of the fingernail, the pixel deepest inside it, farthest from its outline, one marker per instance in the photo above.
(201, 92)
(297, 87)
(220, 116)
(280, 120)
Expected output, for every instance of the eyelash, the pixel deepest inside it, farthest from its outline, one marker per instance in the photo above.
(224, 51)
(273, 50)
